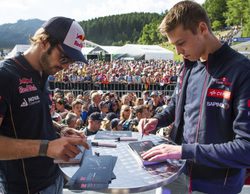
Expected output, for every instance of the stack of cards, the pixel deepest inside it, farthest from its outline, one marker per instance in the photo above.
(95, 173)
(75, 160)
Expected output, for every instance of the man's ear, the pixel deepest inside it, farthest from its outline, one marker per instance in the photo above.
(203, 28)
(44, 44)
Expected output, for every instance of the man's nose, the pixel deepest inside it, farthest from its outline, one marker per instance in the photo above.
(179, 50)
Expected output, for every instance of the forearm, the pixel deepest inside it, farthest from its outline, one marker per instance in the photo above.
(233, 154)
(11, 149)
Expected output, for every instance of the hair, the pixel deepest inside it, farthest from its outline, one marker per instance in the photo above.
(70, 117)
(40, 36)
(139, 108)
(186, 13)
(124, 107)
(106, 125)
(75, 102)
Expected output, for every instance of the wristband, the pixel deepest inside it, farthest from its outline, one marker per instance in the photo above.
(43, 148)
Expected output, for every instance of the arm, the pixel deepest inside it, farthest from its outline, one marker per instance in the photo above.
(231, 154)
(162, 119)
(62, 148)
(234, 153)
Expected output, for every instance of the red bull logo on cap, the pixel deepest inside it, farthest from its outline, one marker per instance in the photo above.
(79, 39)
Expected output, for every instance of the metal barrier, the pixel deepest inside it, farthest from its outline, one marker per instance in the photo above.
(119, 88)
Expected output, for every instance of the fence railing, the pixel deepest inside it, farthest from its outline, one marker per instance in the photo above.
(119, 88)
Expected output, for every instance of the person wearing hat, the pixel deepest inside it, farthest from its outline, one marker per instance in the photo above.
(94, 124)
(116, 125)
(145, 96)
(104, 107)
(28, 140)
(155, 101)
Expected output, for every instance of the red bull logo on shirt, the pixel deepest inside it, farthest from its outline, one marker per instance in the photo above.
(25, 81)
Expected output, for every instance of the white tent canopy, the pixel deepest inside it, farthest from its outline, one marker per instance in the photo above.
(146, 52)
(19, 48)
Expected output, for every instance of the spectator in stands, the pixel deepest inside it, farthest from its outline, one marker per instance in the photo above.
(77, 109)
(126, 100)
(155, 100)
(140, 112)
(104, 108)
(70, 120)
(54, 115)
(28, 140)
(94, 124)
(95, 100)
(139, 101)
(145, 97)
(210, 107)
(106, 123)
(84, 114)
(125, 116)
(69, 97)
(115, 107)
(60, 107)
(116, 125)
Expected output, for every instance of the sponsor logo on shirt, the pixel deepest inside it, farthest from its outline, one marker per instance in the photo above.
(26, 85)
(24, 103)
(223, 81)
(25, 81)
(30, 101)
(27, 88)
(218, 104)
(218, 93)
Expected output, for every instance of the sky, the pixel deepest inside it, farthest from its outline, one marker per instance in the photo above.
(13, 10)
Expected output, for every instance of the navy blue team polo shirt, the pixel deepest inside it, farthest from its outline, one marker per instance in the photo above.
(26, 91)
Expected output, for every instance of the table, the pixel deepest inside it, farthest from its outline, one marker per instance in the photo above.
(131, 177)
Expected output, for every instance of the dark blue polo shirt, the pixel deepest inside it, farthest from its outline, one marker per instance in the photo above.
(25, 90)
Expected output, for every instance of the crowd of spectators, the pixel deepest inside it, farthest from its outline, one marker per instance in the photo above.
(130, 72)
(99, 110)
(229, 37)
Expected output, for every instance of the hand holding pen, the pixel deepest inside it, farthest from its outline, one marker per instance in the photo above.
(145, 126)
(142, 132)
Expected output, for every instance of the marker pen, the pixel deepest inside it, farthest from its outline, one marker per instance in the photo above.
(104, 144)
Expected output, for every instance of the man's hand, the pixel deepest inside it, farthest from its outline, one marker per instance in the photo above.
(71, 132)
(163, 152)
(66, 147)
(147, 125)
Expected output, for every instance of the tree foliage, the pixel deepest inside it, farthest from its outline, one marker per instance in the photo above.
(216, 11)
(117, 29)
(235, 12)
(224, 13)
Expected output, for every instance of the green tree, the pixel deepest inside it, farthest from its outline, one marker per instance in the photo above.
(216, 10)
(246, 24)
(151, 34)
(235, 14)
